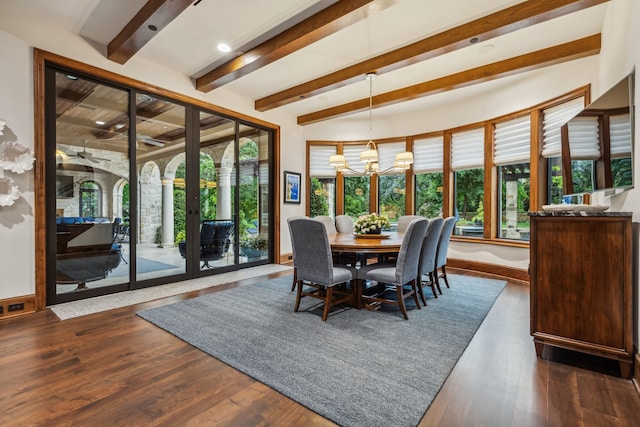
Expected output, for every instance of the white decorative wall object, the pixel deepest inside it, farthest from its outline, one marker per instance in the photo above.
(16, 157)
(8, 192)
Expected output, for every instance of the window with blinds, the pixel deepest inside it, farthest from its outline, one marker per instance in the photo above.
(553, 119)
(428, 154)
(584, 138)
(620, 135)
(351, 154)
(319, 166)
(512, 140)
(467, 149)
(387, 155)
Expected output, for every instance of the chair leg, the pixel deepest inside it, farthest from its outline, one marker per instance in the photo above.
(327, 303)
(444, 275)
(414, 290)
(436, 276)
(295, 279)
(298, 296)
(420, 289)
(432, 284)
(403, 309)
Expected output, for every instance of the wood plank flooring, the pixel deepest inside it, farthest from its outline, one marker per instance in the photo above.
(116, 369)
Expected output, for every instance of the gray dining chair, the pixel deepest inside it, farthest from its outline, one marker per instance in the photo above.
(440, 267)
(315, 268)
(428, 257)
(293, 251)
(403, 272)
(344, 224)
(404, 221)
(328, 222)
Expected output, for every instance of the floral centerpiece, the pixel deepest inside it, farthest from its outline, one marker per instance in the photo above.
(370, 224)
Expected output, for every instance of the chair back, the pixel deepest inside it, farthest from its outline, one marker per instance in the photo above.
(344, 224)
(443, 243)
(207, 232)
(328, 222)
(312, 254)
(404, 221)
(430, 246)
(409, 255)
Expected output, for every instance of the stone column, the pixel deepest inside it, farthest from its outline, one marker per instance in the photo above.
(223, 208)
(167, 213)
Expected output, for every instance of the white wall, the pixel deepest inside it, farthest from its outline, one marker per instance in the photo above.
(17, 265)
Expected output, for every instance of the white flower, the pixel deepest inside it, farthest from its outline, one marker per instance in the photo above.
(8, 192)
(15, 157)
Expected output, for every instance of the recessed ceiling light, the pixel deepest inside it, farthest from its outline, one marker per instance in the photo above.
(71, 77)
(100, 122)
(223, 47)
(486, 48)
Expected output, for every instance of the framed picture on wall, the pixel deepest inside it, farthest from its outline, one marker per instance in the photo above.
(292, 189)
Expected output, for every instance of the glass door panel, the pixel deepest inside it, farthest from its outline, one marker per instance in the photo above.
(161, 203)
(253, 194)
(91, 172)
(216, 183)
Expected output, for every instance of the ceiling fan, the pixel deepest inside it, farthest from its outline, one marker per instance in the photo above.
(86, 155)
(150, 141)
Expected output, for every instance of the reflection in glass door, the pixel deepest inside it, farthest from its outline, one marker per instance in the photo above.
(216, 178)
(91, 171)
(160, 155)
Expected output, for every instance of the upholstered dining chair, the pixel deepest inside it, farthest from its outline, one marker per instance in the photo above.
(404, 221)
(315, 268)
(328, 222)
(440, 268)
(344, 224)
(404, 272)
(428, 257)
(293, 251)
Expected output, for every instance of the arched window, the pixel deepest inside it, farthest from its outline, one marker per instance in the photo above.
(90, 198)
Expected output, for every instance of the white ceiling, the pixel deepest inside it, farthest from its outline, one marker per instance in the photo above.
(187, 44)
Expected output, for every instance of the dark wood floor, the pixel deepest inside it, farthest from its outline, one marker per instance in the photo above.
(116, 369)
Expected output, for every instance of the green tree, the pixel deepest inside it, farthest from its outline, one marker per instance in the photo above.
(318, 202)
(392, 195)
(429, 194)
(356, 195)
(469, 192)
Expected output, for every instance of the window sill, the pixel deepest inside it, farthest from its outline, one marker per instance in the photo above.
(495, 241)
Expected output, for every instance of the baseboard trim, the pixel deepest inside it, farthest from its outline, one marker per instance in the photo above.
(28, 306)
(498, 270)
(286, 259)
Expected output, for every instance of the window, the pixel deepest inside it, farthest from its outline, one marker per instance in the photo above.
(467, 162)
(427, 167)
(512, 142)
(356, 195)
(392, 185)
(553, 119)
(322, 188)
(90, 196)
(620, 147)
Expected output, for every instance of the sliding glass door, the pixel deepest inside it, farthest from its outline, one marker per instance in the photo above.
(148, 190)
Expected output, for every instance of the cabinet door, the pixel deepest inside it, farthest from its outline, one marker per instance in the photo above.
(579, 289)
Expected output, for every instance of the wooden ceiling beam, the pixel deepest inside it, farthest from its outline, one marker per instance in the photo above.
(502, 22)
(531, 61)
(324, 23)
(153, 17)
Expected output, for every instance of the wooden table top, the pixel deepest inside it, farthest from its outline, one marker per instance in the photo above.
(348, 242)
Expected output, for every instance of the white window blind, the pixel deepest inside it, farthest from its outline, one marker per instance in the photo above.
(513, 141)
(387, 155)
(553, 119)
(352, 155)
(584, 140)
(620, 135)
(428, 155)
(467, 149)
(319, 166)
(264, 173)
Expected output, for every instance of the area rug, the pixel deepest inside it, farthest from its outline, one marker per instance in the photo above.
(359, 368)
(70, 310)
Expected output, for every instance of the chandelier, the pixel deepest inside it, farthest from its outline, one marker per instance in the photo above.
(369, 156)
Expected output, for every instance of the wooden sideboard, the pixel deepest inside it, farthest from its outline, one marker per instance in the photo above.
(581, 291)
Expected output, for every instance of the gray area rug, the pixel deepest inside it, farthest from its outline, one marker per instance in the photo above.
(360, 368)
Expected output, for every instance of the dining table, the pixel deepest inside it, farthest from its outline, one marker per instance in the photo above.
(351, 243)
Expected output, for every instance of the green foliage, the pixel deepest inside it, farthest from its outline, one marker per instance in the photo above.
(179, 214)
(621, 172)
(429, 194)
(356, 195)
(254, 242)
(317, 200)
(392, 195)
(469, 192)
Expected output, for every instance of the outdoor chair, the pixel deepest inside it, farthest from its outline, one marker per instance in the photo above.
(314, 266)
(215, 240)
